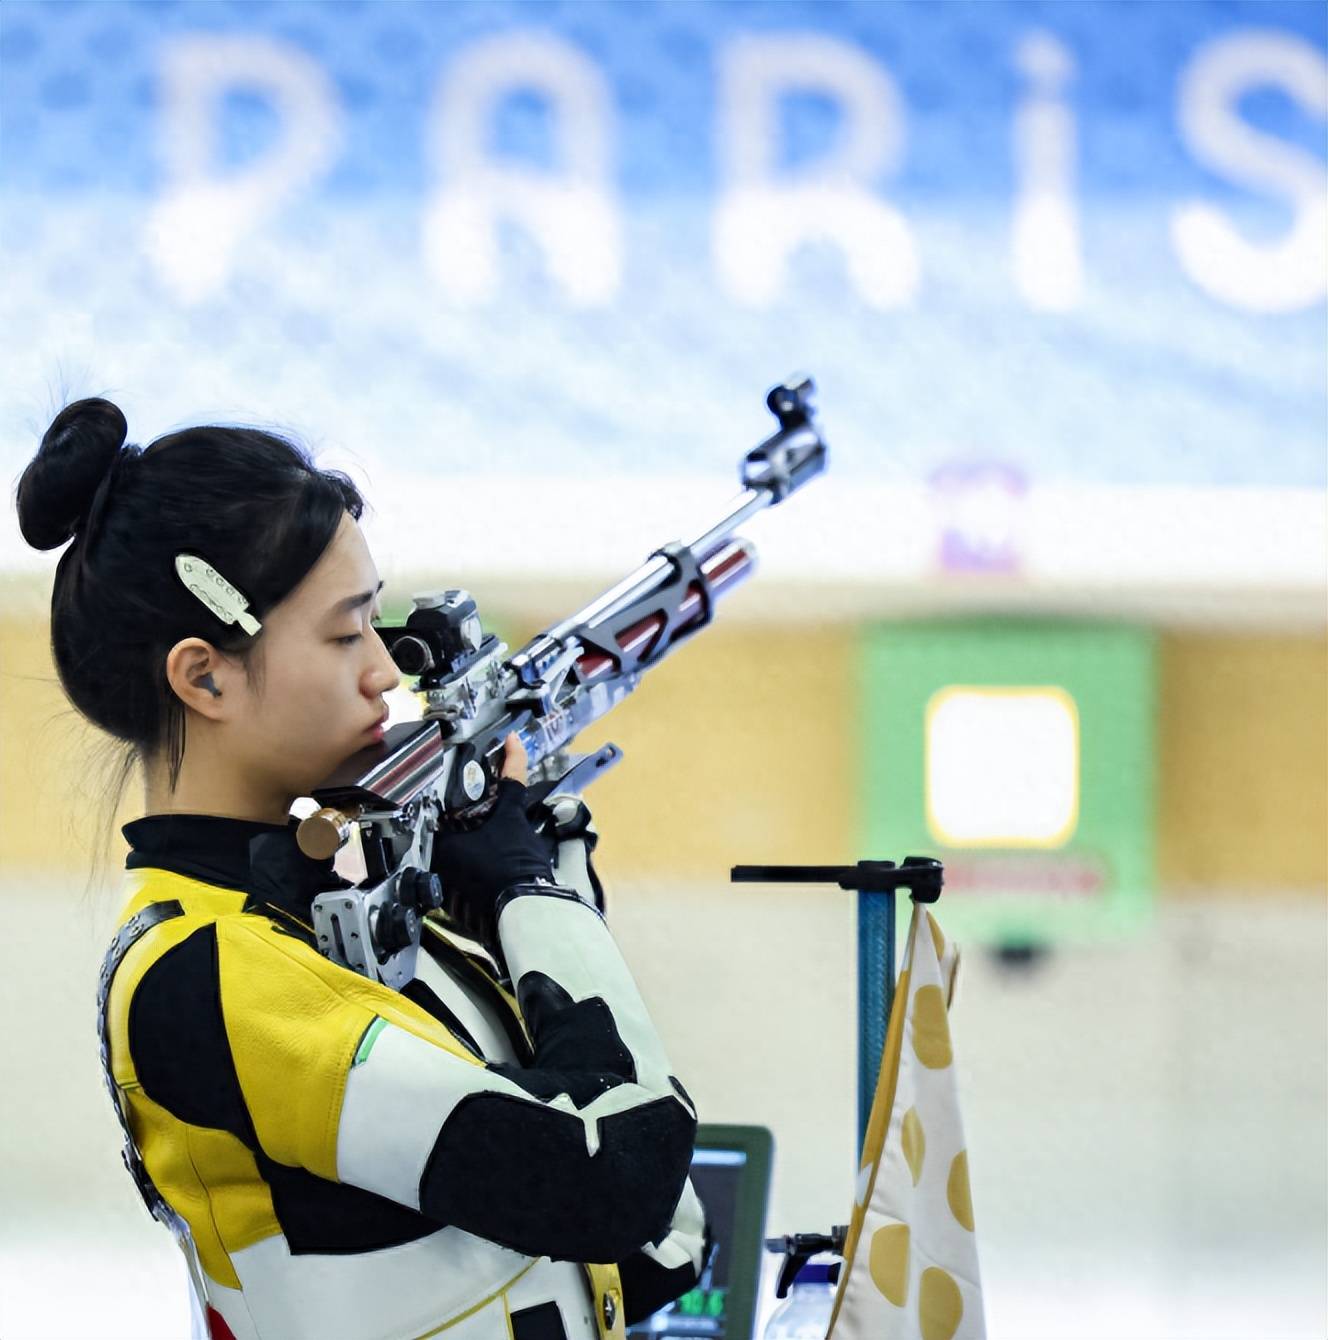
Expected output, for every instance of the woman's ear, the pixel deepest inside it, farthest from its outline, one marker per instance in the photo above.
(191, 669)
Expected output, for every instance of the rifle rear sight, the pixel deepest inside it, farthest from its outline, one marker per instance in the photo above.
(441, 638)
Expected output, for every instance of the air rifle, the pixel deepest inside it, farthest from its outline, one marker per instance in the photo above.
(442, 770)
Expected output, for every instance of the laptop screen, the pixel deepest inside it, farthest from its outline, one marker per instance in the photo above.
(731, 1174)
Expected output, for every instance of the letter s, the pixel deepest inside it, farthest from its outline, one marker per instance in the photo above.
(1292, 273)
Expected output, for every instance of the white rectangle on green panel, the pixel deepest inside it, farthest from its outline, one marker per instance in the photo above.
(1021, 754)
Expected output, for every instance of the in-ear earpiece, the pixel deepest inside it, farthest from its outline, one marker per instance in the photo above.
(206, 682)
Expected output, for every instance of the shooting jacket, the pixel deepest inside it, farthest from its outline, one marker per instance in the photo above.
(348, 1162)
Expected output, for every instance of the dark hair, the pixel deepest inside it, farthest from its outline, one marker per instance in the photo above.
(249, 502)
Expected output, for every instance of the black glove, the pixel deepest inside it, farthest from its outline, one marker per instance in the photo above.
(476, 866)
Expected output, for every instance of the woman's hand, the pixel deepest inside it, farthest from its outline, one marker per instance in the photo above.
(476, 866)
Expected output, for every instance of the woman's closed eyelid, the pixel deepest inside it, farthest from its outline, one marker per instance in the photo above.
(352, 637)
(375, 616)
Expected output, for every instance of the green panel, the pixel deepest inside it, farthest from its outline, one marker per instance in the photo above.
(1094, 881)
(739, 1307)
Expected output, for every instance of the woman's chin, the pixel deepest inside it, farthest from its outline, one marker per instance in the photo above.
(365, 740)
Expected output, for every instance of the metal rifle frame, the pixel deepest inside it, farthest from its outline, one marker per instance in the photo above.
(442, 771)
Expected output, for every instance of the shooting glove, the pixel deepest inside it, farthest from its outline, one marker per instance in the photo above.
(478, 865)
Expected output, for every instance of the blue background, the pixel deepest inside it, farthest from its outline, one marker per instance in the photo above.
(1149, 380)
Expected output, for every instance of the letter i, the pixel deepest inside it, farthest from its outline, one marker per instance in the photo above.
(1048, 268)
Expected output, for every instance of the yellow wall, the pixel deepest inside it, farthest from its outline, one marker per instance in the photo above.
(741, 748)
(1243, 762)
(53, 765)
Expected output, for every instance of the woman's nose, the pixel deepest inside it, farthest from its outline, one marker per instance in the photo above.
(386, 673)
(393, 676)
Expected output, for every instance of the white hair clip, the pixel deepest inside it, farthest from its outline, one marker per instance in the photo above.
(215, 592)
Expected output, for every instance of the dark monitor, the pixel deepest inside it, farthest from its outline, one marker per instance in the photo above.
(731, 1174)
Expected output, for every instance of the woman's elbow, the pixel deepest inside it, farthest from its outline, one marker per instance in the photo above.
(524, 1175)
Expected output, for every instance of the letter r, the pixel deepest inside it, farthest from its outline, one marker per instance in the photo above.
(571, 213)
(760, 218)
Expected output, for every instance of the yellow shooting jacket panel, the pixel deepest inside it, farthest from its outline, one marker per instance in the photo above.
(293, 1021)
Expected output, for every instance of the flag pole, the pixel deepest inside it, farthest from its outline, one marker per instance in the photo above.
(876, 992)
(875, 883)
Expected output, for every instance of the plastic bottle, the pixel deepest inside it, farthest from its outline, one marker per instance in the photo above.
(805, 1312)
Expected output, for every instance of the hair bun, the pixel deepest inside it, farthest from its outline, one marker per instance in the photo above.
(56, 491)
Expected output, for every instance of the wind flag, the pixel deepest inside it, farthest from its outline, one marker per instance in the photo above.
(911, 1259)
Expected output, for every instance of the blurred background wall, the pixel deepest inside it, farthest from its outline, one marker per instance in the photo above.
(526, 271)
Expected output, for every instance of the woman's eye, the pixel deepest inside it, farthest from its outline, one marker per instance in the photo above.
(355, 637)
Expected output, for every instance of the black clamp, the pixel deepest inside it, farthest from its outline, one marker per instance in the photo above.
(922, 876)
(799, 1248)
(666, 600)
(686, 572)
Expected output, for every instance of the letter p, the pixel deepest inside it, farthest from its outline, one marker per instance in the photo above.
(204, 215)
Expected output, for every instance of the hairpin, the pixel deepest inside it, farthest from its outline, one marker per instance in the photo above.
(215, 591)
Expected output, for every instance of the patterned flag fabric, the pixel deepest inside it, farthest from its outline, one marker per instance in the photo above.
(911, 1260)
